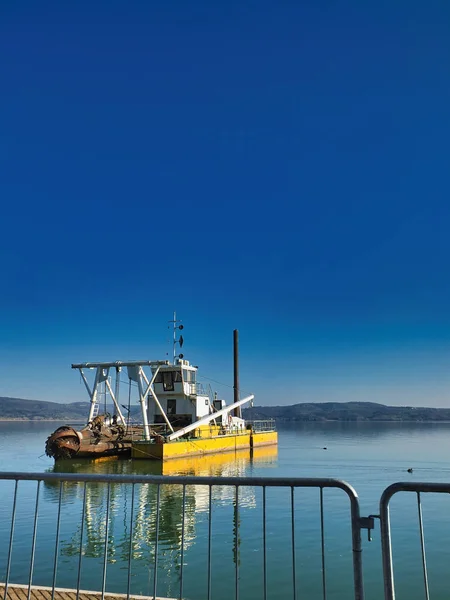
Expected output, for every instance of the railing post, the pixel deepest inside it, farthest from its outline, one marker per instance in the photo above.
(357, 549)
(386, 546)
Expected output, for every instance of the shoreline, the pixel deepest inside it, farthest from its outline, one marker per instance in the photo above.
(280, 422)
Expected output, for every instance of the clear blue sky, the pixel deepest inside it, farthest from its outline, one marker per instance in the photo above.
(277, 167)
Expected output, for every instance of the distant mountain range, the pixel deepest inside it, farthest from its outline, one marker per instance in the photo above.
(38, 410)
(347, 411)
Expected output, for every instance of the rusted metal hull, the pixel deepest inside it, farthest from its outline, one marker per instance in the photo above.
(90, 442)
(104, 448)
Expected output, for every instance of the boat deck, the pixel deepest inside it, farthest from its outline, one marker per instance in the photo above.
(20, 592)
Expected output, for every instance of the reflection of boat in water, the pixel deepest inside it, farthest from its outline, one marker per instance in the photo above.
(222, 464)
(179, 416)
(232, 464)
(131, 514)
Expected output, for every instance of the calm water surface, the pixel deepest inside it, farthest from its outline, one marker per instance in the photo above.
(369, 456)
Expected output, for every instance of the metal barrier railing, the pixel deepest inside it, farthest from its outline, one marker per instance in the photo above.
(386, 534)
(146, 498)
(96, 527)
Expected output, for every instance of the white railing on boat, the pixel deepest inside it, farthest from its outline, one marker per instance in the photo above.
(261, 425)
(198, 389)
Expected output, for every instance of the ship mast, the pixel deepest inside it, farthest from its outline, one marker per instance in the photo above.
(175, 341)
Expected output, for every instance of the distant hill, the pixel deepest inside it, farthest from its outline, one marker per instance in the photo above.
(38, 410)
(347, 411)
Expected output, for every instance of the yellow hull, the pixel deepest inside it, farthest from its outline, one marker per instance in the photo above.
(202, 446)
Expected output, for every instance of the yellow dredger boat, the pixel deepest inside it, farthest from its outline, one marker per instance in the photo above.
(179, 417)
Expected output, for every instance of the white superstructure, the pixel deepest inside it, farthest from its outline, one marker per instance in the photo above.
(181, 398)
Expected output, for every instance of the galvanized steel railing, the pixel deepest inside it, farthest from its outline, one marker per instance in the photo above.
(418, 489)
(236, 484)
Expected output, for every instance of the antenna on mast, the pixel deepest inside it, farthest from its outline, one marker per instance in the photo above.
(175, 341)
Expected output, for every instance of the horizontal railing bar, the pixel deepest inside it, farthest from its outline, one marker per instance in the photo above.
(185, 480)
(414, 486)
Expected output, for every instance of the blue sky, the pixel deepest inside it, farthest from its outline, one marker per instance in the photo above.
(277, 167)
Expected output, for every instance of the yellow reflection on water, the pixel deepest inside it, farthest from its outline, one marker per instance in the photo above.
(223, 464)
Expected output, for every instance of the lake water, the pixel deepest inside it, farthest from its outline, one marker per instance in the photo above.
(369, 456)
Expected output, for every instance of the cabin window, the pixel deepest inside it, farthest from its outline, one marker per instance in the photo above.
(167, 377)
(171, 406)
(164, 376)
(189, 376)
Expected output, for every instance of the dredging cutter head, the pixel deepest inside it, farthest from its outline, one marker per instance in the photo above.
(63, 443)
